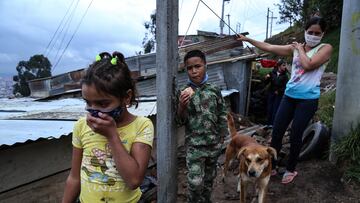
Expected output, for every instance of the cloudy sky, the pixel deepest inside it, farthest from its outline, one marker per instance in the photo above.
(28, 26)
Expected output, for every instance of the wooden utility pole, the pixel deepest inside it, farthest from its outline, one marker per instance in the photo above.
(228, 15)
(347, 103)
(267, 22)
(271, 22)
(166, 66)
(222, 18)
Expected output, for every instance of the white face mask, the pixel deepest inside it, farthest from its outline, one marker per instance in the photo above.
(312, 40)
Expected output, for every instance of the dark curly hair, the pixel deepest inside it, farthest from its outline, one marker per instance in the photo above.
(195, 53)
(316, 21)
(280, 62)
(111, 75)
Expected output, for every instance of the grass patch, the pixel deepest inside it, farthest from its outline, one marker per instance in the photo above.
(347, 150)
(325, 111)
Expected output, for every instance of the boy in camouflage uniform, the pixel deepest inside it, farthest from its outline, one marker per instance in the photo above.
(202, 109)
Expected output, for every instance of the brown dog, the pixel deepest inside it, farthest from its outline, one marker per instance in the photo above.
(255, 162)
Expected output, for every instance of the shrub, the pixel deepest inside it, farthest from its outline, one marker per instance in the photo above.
(347, 149)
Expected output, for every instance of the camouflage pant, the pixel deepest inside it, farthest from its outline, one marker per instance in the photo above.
(201, 162)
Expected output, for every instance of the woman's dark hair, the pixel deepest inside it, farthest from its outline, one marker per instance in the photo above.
(316, 21)
(280, 62)
(194, 53)
(111, 75)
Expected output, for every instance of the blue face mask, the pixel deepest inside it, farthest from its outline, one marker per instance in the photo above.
(115, 113)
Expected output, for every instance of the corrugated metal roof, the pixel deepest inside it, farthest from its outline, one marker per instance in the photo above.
(65, 109)
(144, 109)
(212, 46)
(148, 108)
(11, 132)
(215, 49)
(28, 108)
(40, 118)
(216, 76)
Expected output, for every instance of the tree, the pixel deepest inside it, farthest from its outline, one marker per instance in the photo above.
(300, 11)
(290, 11)
(149, 40)
(37, 67)
(330, 10)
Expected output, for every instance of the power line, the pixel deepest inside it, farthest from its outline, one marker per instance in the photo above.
(219, 17)
(226, 24)
(57, 29)
(66, 30)
(65, 25)
(182, 42)
(277, 28)
(66, 18)
(247, 9)
(258, 14)
(82, 18)
(181, 5)
(254, 6)
(231, 6)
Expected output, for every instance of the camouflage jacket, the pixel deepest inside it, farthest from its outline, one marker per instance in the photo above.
(205, 119)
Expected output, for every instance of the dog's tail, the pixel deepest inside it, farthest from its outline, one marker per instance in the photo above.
(231, 125)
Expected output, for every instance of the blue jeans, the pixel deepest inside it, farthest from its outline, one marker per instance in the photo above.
(300, 112)
(273, 103)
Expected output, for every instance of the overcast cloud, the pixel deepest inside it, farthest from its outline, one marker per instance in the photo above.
(27, 26)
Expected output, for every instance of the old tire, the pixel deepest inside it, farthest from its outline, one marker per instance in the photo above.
(149, 195)
(315, 141)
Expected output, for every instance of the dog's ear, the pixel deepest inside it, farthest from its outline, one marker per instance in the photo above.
(272, 151)
(242, 150)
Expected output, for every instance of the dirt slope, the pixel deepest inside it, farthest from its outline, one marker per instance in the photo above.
(318, 181)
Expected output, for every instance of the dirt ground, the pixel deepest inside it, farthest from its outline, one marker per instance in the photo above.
(317, 181)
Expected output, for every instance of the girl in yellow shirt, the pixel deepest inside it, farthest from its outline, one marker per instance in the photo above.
(111, 147)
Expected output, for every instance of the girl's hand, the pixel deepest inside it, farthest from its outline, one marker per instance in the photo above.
(298, 46)
(242, 38)
(104, 125)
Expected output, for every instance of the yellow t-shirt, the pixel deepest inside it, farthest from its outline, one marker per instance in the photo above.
(100, 181)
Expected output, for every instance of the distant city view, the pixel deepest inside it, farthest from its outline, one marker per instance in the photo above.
(6, 87)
